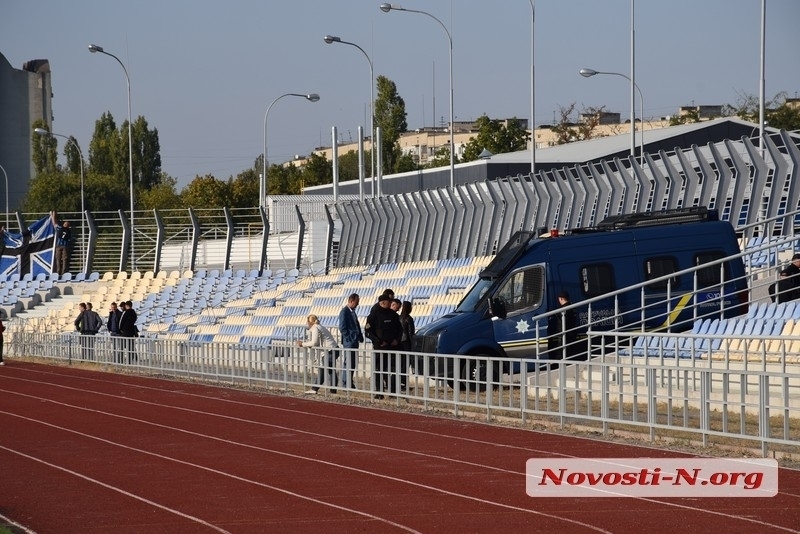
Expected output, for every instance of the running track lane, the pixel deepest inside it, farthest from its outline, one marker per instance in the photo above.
(99, 452)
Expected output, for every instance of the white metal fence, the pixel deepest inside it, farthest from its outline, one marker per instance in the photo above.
(714, 400)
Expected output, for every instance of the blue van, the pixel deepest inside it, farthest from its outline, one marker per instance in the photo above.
(501, 315)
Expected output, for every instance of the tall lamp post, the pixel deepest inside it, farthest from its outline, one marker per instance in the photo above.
(330, 39)
(42, 131)
(262, 193)
(533, 110)
(588, 73)
(395, 7)
(93, 48)
(6, 177)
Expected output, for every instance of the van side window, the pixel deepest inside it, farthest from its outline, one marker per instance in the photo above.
(710, 276)
(523, 290)
(658, 267)
(597, 279)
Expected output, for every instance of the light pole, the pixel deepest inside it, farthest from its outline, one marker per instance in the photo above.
(95, 48)
(588, 73)
(42, 131)
(329, 39)
(6, 177)
(395, 7)
(262, 193)
(533, 111)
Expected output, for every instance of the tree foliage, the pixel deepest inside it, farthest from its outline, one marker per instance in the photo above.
(777, 112)
(687, 117)
(568, 132)
(146, 154)
(163, 196)
(496, 137)
(390, 117)
(44, 149)
(245, 187)
(206, 192)
(104, 146)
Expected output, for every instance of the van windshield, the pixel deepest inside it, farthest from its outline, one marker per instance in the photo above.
(475, 296)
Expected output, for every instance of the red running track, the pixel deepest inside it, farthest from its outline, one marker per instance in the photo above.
(85, 451)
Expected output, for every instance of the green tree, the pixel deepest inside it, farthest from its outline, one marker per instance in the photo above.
(689, 116)
(390, 117)
(568, 132)
(44, 149)
(104, 146)
(162, 196)
(146, 154)
(496, 137)
(406, 163)
(104, 192)
(73, 154)
(317, 171)
(441, 157)
(206, 192)
(777, 113)
(785, 117)
(245, 187)
(284, 180)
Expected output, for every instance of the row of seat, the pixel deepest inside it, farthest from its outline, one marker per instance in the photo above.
(734, 338)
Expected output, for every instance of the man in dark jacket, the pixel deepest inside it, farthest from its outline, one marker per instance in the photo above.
(562, 331)
(114, 315)
(88, 324)
(128, 329)
(351, 334)
(385, 331)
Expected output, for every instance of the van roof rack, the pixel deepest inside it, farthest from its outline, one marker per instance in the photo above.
(658, 218)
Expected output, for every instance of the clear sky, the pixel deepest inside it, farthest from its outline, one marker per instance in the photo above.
(203, 73)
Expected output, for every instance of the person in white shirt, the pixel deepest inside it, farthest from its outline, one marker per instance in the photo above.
(321, 340)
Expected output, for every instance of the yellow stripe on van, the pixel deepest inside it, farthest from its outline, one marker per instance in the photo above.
(523, 343)
(676, 311)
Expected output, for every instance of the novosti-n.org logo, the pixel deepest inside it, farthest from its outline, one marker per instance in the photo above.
(652, 477)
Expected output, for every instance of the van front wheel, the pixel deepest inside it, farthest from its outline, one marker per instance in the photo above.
(478, 373)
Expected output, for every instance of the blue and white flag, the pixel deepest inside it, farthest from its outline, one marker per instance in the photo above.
(30, 251)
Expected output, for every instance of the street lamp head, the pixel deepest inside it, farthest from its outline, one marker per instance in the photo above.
(313, 97)
(95, 48)
(588, 73)
(41, 131)
(331, 39)
(388, 7)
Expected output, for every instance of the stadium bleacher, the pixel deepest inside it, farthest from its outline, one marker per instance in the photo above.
(241, 307)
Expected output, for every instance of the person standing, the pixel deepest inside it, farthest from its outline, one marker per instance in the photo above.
(63, 244)
(562, 330)
(2, 329)
(406, 343)
(128, 329)
(350, 332)
(88, 326)
(789, 282)
(385, 331)
(321, 338)
(112, 324)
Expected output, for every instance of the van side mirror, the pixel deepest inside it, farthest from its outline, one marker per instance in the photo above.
(497, 308)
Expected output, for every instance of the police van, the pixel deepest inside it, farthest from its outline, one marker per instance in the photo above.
(502, 314)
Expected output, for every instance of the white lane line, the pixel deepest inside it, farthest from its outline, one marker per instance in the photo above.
(300, 412)
(285, 454)
(114, 488)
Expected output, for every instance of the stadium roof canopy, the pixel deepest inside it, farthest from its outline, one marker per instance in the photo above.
(556, 157)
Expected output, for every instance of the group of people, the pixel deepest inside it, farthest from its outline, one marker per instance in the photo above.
(788, 285)
(121, 323)
(389, 326)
